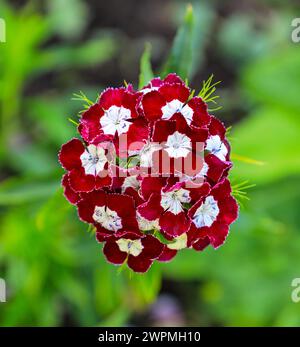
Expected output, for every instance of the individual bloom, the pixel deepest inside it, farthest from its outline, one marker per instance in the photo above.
(182, 147)
(168, 100)
(139, 251)
(165, 205)
(212, 214)
(119, 109)
(171, 99)
(178, 138)
(110, 213)
(87, 166)
(70, 194)
(216, 143)
(115, 114)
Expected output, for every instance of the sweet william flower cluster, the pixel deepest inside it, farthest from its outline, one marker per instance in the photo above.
(150, 173)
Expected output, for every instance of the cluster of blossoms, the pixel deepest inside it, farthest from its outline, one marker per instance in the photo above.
(150, 173)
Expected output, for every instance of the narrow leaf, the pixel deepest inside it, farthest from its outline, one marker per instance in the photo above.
(180, 59)
(146, 73)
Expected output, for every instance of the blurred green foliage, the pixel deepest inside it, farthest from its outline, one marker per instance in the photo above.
(55, 272)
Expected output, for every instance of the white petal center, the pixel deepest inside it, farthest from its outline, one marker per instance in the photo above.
(145, 224)
(216, 147)
(93, 160)
(133, 247)
(131, 182)
(108, 218)
(179, 243)
(207, 213)
(172, 201)
(147, 152)
(176, 106)
(115, 119)
(178, 145)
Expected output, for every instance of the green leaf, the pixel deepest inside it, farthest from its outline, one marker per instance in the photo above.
(180, 58)
(144, 288)
(23, 190)
(93, 52)
(270, 136)
(146, 73)
(275, 80)
(187, 53)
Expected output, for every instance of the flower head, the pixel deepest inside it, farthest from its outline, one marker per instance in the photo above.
(150, 173)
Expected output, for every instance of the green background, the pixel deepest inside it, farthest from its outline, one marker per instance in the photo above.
(54, 270)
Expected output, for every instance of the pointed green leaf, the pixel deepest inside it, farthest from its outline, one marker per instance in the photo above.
(146, 73)
(180, 57)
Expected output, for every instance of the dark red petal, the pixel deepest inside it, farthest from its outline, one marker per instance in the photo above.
(102, 236)
(103, 181)
(216, 127)
(139, 263)
(80, 182)
(113, 254)
(162, 129)
(174, 225)
(130, 102)
(89, 127)
(152, 247)
(155, 82)
(134, 139)
(221, 190)
(138, 132)
(86, 206)
(216, 167)
(111, 96)
(72, 196)
(217, 234)
(151, 209)
(174, 91)
(199, 192)
(200, 117)
(167, 254)
(136, 197)
(150, 185)
(152, 103)
(228, 210)
(122, 204)
(69, 155)
(201, 244)
(173, 78)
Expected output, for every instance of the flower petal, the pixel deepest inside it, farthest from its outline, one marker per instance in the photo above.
(69, 155)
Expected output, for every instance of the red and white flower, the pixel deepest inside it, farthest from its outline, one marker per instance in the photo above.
(112, 117)
(139, 251)
(212, 214)
(110, 213)
(87, 166)
(166, 205)
(172, 98)
(150, 173)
